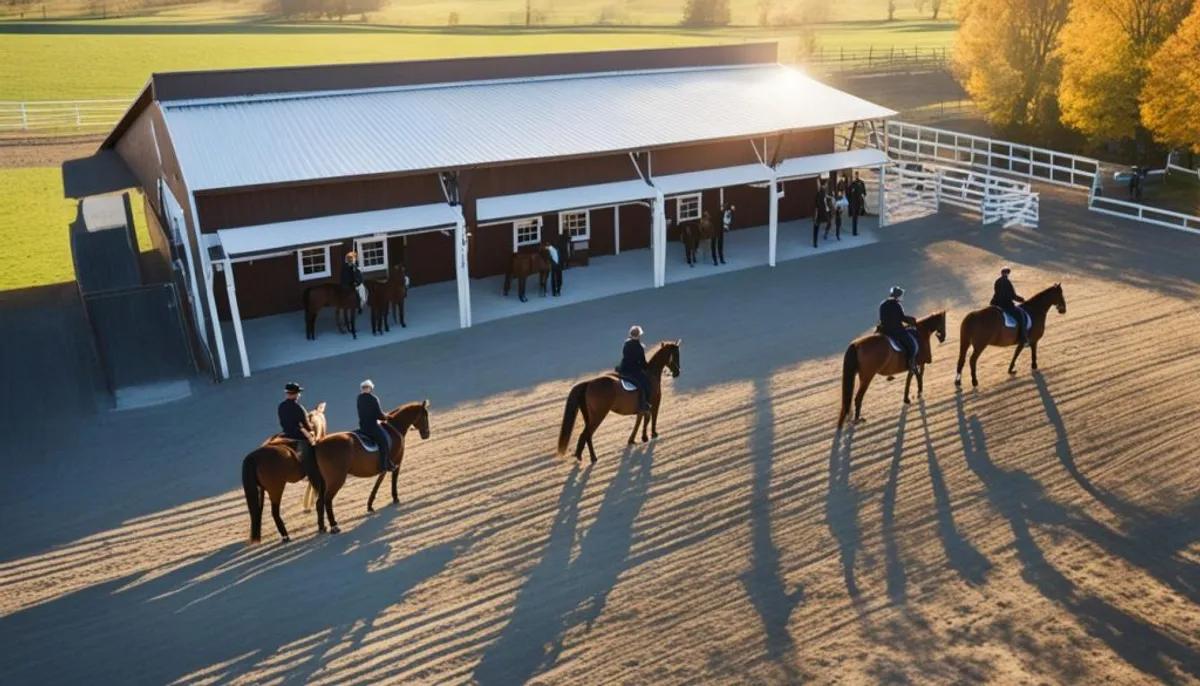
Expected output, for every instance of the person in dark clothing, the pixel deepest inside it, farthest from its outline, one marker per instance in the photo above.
(369, 415)
(858, 201)
(556, 268)
(633, 365)
(293, 424)
(564, 251)
(717, 245)
(352, 279)
(892, 321)
(820, 211)
(1004, 296)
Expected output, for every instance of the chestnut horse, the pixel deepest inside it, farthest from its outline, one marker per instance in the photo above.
(872, 355)
(342, 454)
(522, 266)
(344, 303)
(985, 327)
(693, 235)
(604, 394)
(382, 295)
(270, 468)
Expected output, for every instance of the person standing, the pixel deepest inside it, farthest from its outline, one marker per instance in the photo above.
(840, 206)
(370, 413)
(858, 201)
(555, 268)
(820, 210)
(352, 279)
(1133, 184)
(564, 250)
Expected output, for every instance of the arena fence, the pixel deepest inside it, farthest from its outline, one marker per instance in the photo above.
(61, 115)
(890, 59)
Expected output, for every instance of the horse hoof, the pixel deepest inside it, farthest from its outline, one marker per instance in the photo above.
(370, 508)
(593, 460)
(654, 435)
(395, 501)
(907, 401)
(286, 539)
(335, 530)
(632, 441)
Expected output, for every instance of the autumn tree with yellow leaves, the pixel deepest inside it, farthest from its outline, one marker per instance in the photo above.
(1170, 101)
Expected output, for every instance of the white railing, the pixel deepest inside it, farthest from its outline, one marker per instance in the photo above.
(1185, 170)
(908, 194)
(906, 141)
(61, 115)
(1011, 209)
(1144, 213)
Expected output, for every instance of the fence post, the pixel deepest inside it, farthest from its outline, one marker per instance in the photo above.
(870, 54)
(78, 121)
(24, 118)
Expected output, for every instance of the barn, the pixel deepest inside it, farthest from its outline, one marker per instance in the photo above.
(260, 180)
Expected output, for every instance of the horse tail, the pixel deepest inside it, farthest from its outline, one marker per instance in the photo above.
(253, 497)
(849, 370)
(575, 404)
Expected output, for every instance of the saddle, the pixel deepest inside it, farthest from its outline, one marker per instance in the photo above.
(627, 384)
(1010, 323)
(899, 348)
(368, 444)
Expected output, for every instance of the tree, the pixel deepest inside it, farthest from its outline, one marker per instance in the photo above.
(937, 7)
(1170, 102)
(1106, 50)
(1005, 58)
(919, 6)
(891, 10)
(707, 13)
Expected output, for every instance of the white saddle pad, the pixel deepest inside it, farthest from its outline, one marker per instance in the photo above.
(628, 386)
(1010, 323)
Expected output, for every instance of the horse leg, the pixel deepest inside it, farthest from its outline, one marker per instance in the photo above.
(374, 490)
(962, 359)
(864, 381)
(395, 477)
(329, 494)
(521, 287)
(907, 386)
(276, 494)
(975, 353)
(401, 306)
(507, 283)
(654, 421)
(920, 381)
(353, 323)
(637, 421)
(1012, 366)
(338, 317)
(1033, 352)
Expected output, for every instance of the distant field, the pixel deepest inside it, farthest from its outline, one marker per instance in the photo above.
(70, 60)
(34, 217)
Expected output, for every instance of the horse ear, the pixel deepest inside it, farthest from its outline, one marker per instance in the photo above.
(425, 404)
(678, 342)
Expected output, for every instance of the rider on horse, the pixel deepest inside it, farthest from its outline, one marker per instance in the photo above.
(633, 366)
(892, 321)
(293, 421)
(1005, 298)
(370, 413)
(352, 279)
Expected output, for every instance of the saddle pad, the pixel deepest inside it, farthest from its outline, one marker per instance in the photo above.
(1010, 323)
(628, 386)
(896, 346)
(367, 444)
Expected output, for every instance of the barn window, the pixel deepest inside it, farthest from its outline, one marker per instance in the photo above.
(527, 232)
(372, 253)
(687, 208)
(313, 263)
(577, 225)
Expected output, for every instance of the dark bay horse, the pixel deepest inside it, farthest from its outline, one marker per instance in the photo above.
(340, 455)
(871, 355)
(270, 468)
(599, 396)
(522, 266)
(382, 295)
(693, 235)
(344, 303)
(985, 327)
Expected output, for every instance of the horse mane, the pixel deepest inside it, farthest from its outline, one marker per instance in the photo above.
(931, 317)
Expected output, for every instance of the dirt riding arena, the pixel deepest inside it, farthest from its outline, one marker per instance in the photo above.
(1042, 530)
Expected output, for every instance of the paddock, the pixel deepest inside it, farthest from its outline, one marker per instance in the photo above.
(1043, 529)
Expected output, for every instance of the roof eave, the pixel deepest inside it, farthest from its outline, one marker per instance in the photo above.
(139, 105)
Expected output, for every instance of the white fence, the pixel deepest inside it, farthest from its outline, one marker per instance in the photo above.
(62, 115)
(1011, 209)
(1144, 213)
(914, 189)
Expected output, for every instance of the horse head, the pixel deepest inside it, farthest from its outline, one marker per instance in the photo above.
(407, 416)
(935, 324)
(1058, 299)
(667, 356)
(316, 419)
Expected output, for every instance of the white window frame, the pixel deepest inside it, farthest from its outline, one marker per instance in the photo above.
(587, 224)
(680, 199)
(362, 262)
(518, 224)
(315, 275)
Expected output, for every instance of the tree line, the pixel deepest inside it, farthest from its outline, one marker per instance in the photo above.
(1101, 70)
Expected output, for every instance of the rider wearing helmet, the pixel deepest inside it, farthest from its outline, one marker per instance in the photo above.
(892, 321)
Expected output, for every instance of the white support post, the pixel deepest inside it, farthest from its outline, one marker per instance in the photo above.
(617, 229)
(659, 240)
(773, 222)
(235, 314)
(212, 310)
(461, 271)
(721, 198)
(882, 195)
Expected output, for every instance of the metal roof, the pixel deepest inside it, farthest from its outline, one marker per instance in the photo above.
(300, 137)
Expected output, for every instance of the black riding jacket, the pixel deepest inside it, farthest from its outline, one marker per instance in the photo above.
(633, 358)
(292, 418)
(1004, 294)
(892, 318)
(369, 411)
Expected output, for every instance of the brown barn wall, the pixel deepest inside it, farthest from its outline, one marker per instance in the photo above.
(156, 263)
(531, 178)
(635, 227)
(802, 143)
(690, 158)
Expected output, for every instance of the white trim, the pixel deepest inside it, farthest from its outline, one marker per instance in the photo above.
(517, 224)
(587, 224)
(358, 249)
(698, 197)
(235, 314)
(772, 222)
(315, 275)
(206, 270)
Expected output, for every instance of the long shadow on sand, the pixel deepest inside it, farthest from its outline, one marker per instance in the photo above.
(203, 618)
(897, 578)
(1019, 498)
(561, 593)
(841, 508)
(764, 581)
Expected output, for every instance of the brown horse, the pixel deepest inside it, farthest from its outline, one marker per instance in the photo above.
(872, 355)
(522, 266)
(342, 454)
(604, 394)
(270, 468)
(382, 295)
(693, 235)
(344, 303)
(985, 327)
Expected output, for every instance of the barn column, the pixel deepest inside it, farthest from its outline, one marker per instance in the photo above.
(461, 271)
(235, 314)
(616, 229)
(882, 195)
(773, 222)
(659, 239)
(218, 335)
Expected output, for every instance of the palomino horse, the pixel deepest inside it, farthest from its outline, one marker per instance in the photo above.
(382, 295)
(985, 327)
(604, 394)
(270, 468)
(342, 454)
(344, 303)
(872, 355)
(525, 264)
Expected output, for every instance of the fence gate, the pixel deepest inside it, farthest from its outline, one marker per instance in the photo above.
(909, 192)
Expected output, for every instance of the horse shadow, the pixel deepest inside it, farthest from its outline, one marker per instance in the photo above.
(203, 620)
(764, 581)
(841, 507)
(561, 593)
(1020, 499)
(897, 578)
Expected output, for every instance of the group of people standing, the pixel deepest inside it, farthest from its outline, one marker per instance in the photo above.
(846, 198)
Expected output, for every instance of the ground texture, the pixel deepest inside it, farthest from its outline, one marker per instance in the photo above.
(1043, 529)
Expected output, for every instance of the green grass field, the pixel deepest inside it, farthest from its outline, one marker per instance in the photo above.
(34, 219)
